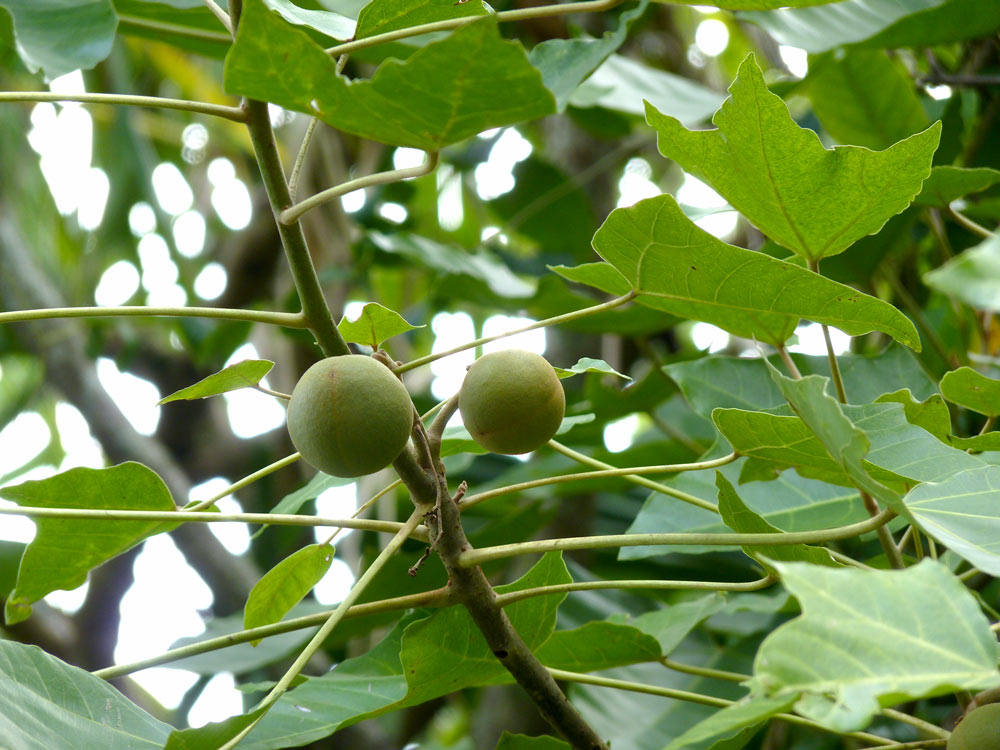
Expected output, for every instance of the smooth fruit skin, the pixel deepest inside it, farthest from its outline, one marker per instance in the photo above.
(980, 730)
(512, 401)
(349, 416)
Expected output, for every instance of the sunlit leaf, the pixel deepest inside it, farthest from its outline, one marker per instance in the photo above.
(245, 374)
(588, 364)
(445, 92)
(671, 624)
(64, 550)
(814, 201)
(284, 585)
(871, 638)
(381, 16)
(47, 702)
(930, 414)
(684, 270)
(374, 325)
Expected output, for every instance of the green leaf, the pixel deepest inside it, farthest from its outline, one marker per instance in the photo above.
(845, 443)
(60, 36)
(47, 702)
(381, 16)
(898, 449)
(587, 364)
(603, 276)
(373, 326)
(621, 84)
(597, 645)
(740, 518)
(740, 720)
(677, 267)
(671, 624)
(211, 736)
(791, 503)
(284, 585)
(864, 98)
(741, 383)
(451, 260)
(457, 439)
(423, 658)
(879, 23)
(948, 183)
(473, 72)
(185, 25)
(565, 63)
(931, 414)
(333, 25)
(870, 638)
(64, 550)
(972, 390)
(963, 512)
(972, 277)
(510, 741)
(244, 374)
(814, 201)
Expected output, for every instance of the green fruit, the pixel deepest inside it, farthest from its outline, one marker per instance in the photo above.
(512, 401)
(980, 730)
(349, 416)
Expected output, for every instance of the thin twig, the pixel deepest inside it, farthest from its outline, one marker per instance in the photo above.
(235, 114)
(286, 320)
(793, 370)
(221, 15)
(269, 392)
(486, 554)
(969, 224)
(245, 482)
(292, 214)
(300, 158)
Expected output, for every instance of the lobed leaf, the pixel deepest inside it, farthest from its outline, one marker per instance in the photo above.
(679, 268)
(445, 92)
(64, 550)
(871, 638)
(814, 201)
(245, 374)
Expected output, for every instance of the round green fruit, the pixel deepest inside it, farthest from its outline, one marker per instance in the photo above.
(512, 401)
(349, 416)
(980, 730)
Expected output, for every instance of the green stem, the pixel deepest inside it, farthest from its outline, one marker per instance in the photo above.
(790, 365)
(246, 481)
(705, 700)
(838, 381)
(716, 674)
(591, 6)
(314, 307)
(292, 214)
(437, 598)
(331, 622)
(473, 557)
(575, 315)
(366, 505)
(270, 392)
(650, 585)
(926, 727)
(161, 27)
(221, 15)
(918, 745)
(969, 224)
(604, 473)
(186, 516)
(286, 320)
(234, 114)
(641, 481)
(300, 158)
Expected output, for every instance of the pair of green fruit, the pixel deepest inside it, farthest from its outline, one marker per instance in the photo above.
(350, 415)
